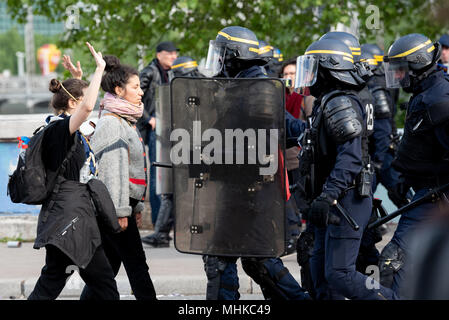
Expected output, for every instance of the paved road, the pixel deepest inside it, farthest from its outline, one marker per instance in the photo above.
(176, 276)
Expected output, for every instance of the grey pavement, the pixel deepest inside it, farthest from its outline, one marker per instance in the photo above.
(176, 276)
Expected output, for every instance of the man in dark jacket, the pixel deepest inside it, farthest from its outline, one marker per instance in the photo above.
(153, 75)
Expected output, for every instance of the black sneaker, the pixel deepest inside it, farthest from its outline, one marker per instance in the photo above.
(156, 242)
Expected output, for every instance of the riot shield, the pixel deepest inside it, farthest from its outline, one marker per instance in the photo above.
(164, 180)
(228, 166)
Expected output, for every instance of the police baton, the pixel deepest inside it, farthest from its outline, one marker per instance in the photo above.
(162, 164)
(347, 217)
(428, 196)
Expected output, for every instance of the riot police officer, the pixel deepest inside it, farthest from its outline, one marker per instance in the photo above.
(267, 52)
(335, 142)
(422, 157)
(235, 54)
(274, 66)
(383, 146)
(183, 66)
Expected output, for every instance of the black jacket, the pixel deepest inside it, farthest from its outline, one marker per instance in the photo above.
(68, 219)
(423, 154)
(150, 79)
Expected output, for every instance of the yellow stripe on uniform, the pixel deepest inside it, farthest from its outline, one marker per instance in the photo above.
(227, 36)
(406, 53)
(348, 59)
(341, 53)
(431, 49)
(254, 50)
(188, 64)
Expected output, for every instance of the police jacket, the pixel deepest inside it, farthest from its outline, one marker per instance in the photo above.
(337, 160)
(379, 141)
(150, 78)
(423, 154)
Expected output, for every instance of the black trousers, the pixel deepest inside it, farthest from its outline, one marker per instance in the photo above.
(98, 275)
(126, 247)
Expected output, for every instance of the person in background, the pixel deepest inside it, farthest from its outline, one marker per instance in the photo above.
(444, 60)
(153, 75)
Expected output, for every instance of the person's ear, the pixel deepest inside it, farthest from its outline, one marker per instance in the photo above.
(118, 91)
(72, 104)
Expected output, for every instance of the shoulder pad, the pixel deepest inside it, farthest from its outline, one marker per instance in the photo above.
(439, 112)
(381, 103)
(343, 119)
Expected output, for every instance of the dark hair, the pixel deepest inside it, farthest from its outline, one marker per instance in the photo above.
(117, 74)
(287, 63)
(60, 100)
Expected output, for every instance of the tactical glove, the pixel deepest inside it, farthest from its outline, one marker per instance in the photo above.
(319, 210)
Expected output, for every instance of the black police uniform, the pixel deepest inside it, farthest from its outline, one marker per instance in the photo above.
(422, 157)
(275, 280)
(337, 133)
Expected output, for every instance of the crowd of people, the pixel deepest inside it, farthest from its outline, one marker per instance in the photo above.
(341, 142)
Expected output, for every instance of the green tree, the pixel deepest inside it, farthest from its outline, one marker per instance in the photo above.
(291, 25)
(120, 27)
(11, 42)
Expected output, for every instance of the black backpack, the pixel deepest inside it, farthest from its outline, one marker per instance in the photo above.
(28, 184)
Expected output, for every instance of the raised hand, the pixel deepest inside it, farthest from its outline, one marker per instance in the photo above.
(76, 72)
(97, 56)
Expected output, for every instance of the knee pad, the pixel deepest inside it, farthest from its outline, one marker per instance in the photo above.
(391, 261)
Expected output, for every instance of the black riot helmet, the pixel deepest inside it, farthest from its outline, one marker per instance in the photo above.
(410, 59)
(363, 72)
(349, 39)
(373, 55)
(326, 61)
(235, 48)
(277, 55)
(265, 51)
(184, 67)
(274, 66)
(374, 50)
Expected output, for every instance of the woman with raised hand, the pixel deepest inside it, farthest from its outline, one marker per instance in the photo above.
(120, 155)
(67, 225)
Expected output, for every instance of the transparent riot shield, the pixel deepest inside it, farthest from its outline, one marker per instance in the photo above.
(164, 180)
(228, 166)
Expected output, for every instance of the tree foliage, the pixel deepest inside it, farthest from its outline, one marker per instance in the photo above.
(120, 27)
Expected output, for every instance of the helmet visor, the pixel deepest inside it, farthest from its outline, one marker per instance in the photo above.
(306, 72)
(396, 74)
(215, 59)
